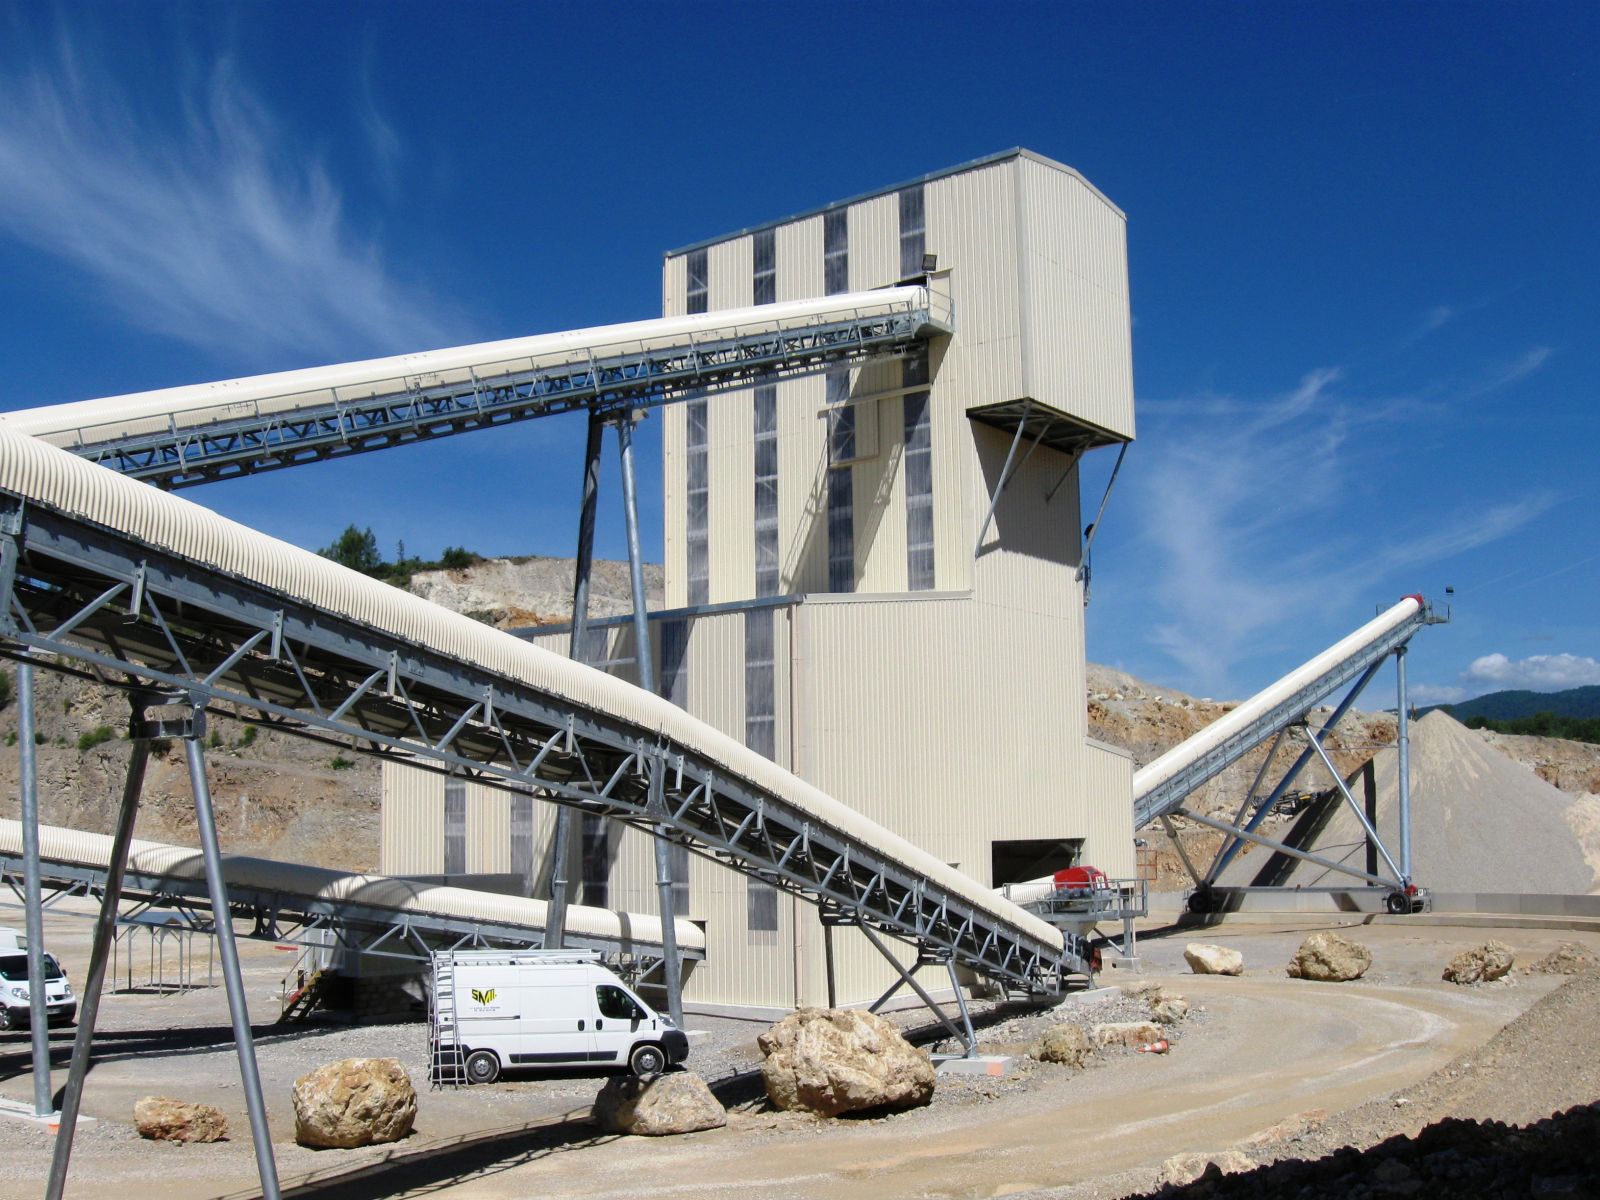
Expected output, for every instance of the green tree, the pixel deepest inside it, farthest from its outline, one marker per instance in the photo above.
(356, 549)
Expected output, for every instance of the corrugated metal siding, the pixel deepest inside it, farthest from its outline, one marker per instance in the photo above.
(1078, 352)
(1108, 790)
(674, 504)
(411, 822)
(730, 436)
(488, 830)
(874, 243)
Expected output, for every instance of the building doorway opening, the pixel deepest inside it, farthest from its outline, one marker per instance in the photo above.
(1019, 861)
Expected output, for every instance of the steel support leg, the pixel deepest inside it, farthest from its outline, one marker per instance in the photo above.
(961, 1003)
(966, 1037)
(1229, 849)
(238, 1007)
(827, 959)
(555, 927)
(1403, 764)
(32, 898)
(1005, 476)
(1281, 848)
(645, 660)
(1177, 844)
(1355, 805)
(105, 934)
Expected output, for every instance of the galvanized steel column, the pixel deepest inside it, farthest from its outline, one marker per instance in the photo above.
(555, 925)
(1403, 764)
(105, 933)
(33, 901)
(647, 680)
(238, 1007)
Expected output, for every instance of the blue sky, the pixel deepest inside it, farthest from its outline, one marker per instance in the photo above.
(1362, 244)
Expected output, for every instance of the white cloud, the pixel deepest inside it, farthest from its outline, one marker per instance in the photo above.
(1241, 505)
(1423, 694)
(1536, 673)
(216, 229)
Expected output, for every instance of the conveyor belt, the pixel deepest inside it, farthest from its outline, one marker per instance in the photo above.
(1161, 787)
(374, 913)
(124, 580)
(177, 437)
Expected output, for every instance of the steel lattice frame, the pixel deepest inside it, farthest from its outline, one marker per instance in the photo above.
(136, 616)
(1167, 797)
(411, 412)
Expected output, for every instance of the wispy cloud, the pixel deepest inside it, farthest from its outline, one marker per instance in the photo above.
(1241, 512)
(1497, 673)
(216, 228)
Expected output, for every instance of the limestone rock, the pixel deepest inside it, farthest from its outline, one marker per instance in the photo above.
(1206, 959)
(1182, 1169)
(1329, 958)
(1481, 964)
(354, 1102)
(164, 1119)
(677, 1102)
(1166, 1008)
(1064, 1044)
(831, 1061)
(1132, 1034)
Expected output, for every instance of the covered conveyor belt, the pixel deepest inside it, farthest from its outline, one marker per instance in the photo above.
(132, 584)
(374, 914)
(1160, 788)
(176, 437)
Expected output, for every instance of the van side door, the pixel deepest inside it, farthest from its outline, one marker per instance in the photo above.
(618, 1023)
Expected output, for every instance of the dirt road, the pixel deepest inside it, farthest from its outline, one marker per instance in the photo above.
(1257, 1050)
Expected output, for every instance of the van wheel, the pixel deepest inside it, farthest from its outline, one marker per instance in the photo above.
(647, 1060)
(9, 1020)
(483, 1066)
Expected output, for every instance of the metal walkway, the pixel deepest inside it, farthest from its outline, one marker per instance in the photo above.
(179, 437)
(289, 902)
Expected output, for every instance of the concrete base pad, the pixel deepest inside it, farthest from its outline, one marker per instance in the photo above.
(15, 1110)
(983, 1064)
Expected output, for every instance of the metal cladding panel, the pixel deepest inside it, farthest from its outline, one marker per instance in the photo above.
(802, 485)
(412, 820)
(799, 250)
(488, 830)
(971, 226)
(730, 433)
(674, 286)
(880, 485)
(1108, 791)
(874, 243)
(674, 504)
(1075, 309)
(911, 709)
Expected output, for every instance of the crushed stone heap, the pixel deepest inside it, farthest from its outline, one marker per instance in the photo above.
(1479, 823)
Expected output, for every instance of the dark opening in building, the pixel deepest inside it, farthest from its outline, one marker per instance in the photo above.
(1017, 862)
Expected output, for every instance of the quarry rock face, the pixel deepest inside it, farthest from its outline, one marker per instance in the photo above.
(1329, 958)
(1065, 1044)
(1481, 964)
(1206, 959)
(831, 1061)
(164, 1119)
(354, 1102)
(1132, 1034)
(677, 1102)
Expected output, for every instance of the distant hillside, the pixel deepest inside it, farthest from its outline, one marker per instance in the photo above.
(1581, 702)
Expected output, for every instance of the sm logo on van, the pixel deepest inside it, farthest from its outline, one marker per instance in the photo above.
(483, 996)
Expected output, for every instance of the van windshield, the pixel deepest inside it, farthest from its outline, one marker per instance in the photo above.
(14, 967)
(615, 1003)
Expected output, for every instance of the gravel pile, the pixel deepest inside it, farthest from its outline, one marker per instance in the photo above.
(1480, 823)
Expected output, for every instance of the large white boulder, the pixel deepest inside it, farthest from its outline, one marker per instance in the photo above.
(1329, 958)
(831, 1061)
(354, 1102)
(1206, 959)
(678, 1102)
(1481, 964)
(164, 1119)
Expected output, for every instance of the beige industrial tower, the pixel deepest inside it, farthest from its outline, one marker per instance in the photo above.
(857, 585)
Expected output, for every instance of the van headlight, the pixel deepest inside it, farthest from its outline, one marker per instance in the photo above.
(17, 993)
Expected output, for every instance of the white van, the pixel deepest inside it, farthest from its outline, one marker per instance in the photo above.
(60, 1005)
(550, 1009)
